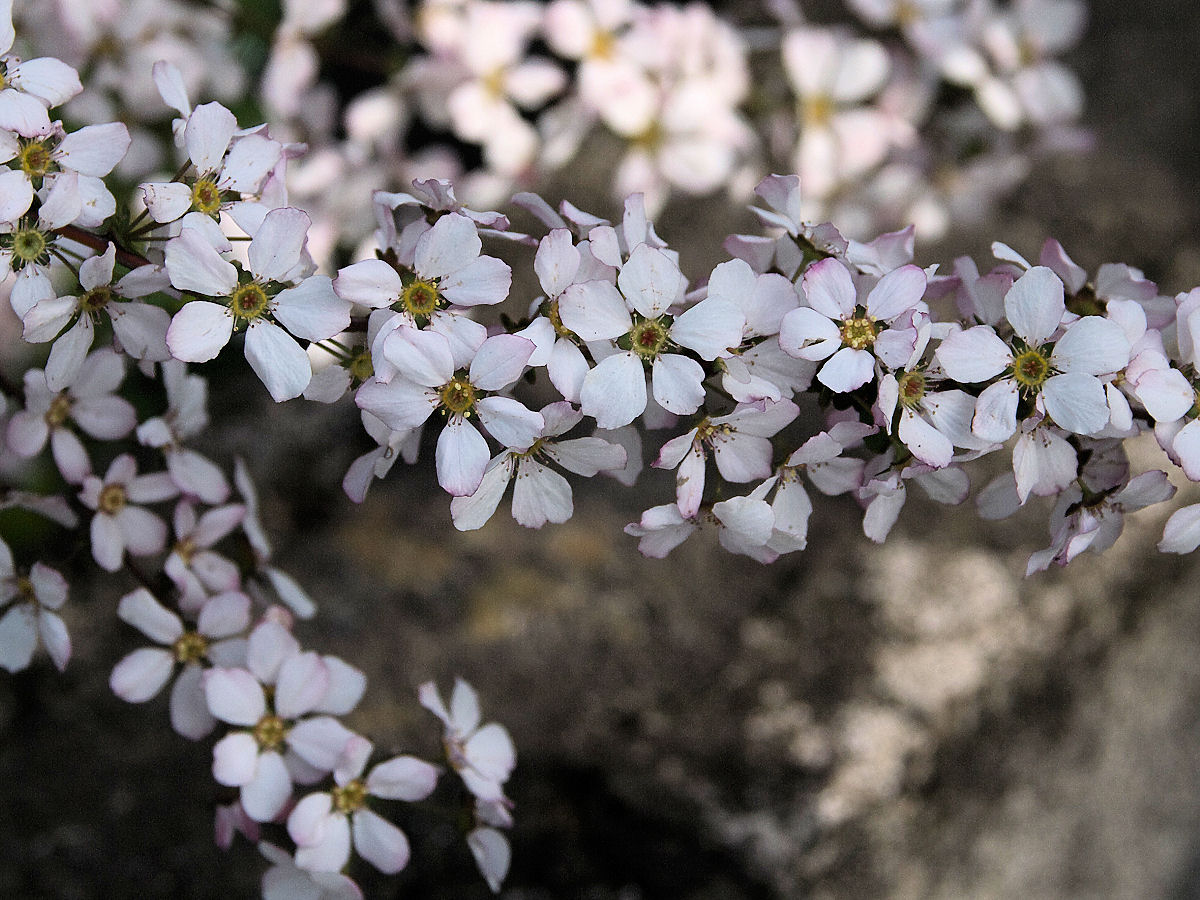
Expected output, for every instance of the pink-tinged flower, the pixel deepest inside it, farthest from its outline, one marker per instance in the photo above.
(883, 494)
(140, 328)
(740, 445)
(186, 416)
(1094, 521)
(119, 524)
(88, 401)
(636, 317)
(32, 601)
(447, 271)
(29, 87)
(848, 335)
(254, 300)
(227, 167)
(1058, 375)
(27, 245)
(230, 820)
(215, 640)
(541, 495)
(192, 565)
(661, 529)
(89, 154)
(287, 881)
(291, 735)
(483, 756)
(326, 825)
(430, 376)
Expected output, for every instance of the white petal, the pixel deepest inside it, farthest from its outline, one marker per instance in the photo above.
(234, 696)
(614, 392)
(280, 363)
(312, 310)
(462, 456)
(402, 778)
(278, 243)
(1076, 402)
(141, 674)
(267, 793)
(1034, 305)
(208, 132)
(380, 842)
(195, 265)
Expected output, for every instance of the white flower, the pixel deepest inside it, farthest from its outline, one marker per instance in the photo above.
(309, 310)
(1062, 380)
(140, 675)
(483, 756)
(324, 825)
(32, 601)
(119, 524)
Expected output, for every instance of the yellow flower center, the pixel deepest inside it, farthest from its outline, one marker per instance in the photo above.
(1030, 369)
(420, 298)
(249, 301)
(350, 797)
(206, 197)
(59, 411)
(858, 333)
(112, 499)
(361, 367)
(648, 338)
(270, 732)
(818, 111)
(912, 389)
(190, 647)
(458, 396)
(34, 159)
(96, 299)
(29, 246)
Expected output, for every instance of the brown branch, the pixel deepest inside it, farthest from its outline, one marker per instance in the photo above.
(127, 258)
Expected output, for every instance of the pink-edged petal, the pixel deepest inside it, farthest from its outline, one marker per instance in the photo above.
(927, 444)
(141, 610)
(234, 696)
(976, 354)
(420, 356)
(380, 842)
(195, 265)
(207, 134)
(473, 512)
(805, 333)
(847, 370)
(267, 793)
(189, 708)
(898, 291)
(1076, 402)
(540, 495)
(492, 855)
(199, 331)
(370, 282)
(142, 674)
(403, 778)
(678, 383)
(1034, 305)
(1182, 532)
(461, 457)
(332, 851)
(310, 819)
(829, 289)
(1093, 345)
(509, 421)
(451, 244)
(279, 362)
(491, 753)
(319, 741)
(711, 328)
(995, 417)
(278, 243)
(614, 392)
(595, 310)
(500, 361)
(483, 282)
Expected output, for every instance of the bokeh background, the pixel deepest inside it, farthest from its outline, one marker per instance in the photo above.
(908, 721)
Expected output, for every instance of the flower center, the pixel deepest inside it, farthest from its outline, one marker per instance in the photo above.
(34, 159)
(912, 388)
(59, 411)
(361, 367)
(206, 197)
(350, 797)
(270, 732)
(420, 298)
(818, 111)
(29, 246)
(112, 499)
(550, 311)
(96, 299)
(858, 333)
(249, 301)
(25, 589)
(1030, 369)
(190, 647)
(648, 338)
(458, 396)
(186, 549)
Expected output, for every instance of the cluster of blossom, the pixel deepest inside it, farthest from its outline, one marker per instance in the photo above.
(219, 615)
(913, 373)
(917, 111)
